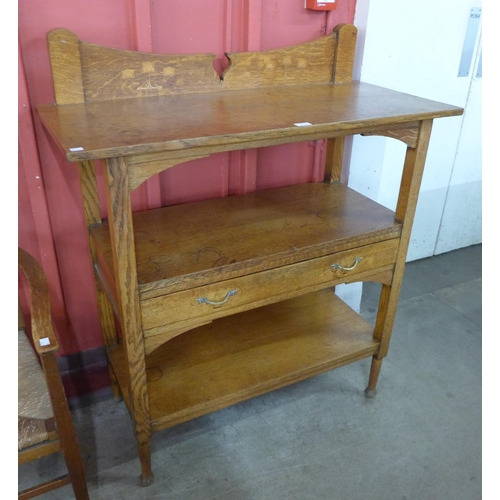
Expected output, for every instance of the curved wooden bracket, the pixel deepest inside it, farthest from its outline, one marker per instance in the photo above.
(143, 171)
(157, 337)
(407, 135)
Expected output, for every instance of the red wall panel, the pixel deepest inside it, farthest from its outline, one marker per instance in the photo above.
(34, 228)
(175, 26)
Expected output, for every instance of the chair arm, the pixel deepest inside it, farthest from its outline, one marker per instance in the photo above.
(41, 319)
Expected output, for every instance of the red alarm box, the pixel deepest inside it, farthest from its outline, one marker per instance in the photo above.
(321, 5)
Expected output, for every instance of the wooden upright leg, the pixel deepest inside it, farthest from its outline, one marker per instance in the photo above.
(334, 157)
(127, 290)
(147, 476)
(405, 212)
(371, 390)
(90, 196)
(343, 64)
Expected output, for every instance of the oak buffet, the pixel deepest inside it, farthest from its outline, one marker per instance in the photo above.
(206, 304)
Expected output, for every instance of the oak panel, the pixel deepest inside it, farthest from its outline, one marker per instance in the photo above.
(310, 62)
(123, 127)
(113, 73)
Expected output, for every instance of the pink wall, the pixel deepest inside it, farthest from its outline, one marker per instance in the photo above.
(51, 222)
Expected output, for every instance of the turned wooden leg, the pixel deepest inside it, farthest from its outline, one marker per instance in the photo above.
(371, 390)
(147, 476)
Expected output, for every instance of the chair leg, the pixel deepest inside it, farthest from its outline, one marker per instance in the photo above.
(77, 475)
(66, 431)
(147, 476)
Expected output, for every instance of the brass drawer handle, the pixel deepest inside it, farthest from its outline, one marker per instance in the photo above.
(357, 260)
(204, 300)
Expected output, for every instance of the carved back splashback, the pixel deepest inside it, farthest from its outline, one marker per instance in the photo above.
(85, 72)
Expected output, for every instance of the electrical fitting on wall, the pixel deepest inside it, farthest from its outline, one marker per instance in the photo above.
(321, 4)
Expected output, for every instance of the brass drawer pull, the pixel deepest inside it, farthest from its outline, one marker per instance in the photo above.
(204, 300)
(357, 260)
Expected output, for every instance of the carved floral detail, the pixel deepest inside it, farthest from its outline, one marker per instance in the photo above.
(168, 71)
(148, 67)
(267, 62)
(148, 86)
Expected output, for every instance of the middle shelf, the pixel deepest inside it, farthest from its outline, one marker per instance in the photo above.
(201, 261)
(194, 244)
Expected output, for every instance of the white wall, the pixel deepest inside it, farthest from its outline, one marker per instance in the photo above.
(462, 214)
(415, 47)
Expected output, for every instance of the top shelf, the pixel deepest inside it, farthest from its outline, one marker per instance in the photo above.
(227, 119)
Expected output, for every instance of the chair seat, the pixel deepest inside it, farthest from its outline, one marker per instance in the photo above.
(35, 415)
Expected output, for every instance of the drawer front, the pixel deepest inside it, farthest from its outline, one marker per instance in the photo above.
(206, 303)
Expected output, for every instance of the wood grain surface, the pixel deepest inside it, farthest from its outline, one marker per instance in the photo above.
(169, 315)
(248, 354)
(184, 246)
(125, 127)
(310, 62)
(269, 251)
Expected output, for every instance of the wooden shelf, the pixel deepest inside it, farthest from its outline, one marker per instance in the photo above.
(189, 245)
(248, 354)
(228, 120)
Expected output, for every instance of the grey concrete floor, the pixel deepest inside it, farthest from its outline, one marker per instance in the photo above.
(420, 438)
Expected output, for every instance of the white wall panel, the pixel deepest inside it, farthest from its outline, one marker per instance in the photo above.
(461, 224)
(415, 47)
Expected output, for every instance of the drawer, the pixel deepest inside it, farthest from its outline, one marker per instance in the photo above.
(190, 308)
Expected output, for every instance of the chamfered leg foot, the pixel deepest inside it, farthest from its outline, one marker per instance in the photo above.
(146, 481)
(147, 476)
(370, 393)
(371, 390)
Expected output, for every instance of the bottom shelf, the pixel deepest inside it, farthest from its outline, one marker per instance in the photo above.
(241, 356)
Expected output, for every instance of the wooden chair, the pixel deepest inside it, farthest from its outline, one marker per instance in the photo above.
(44, 419)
